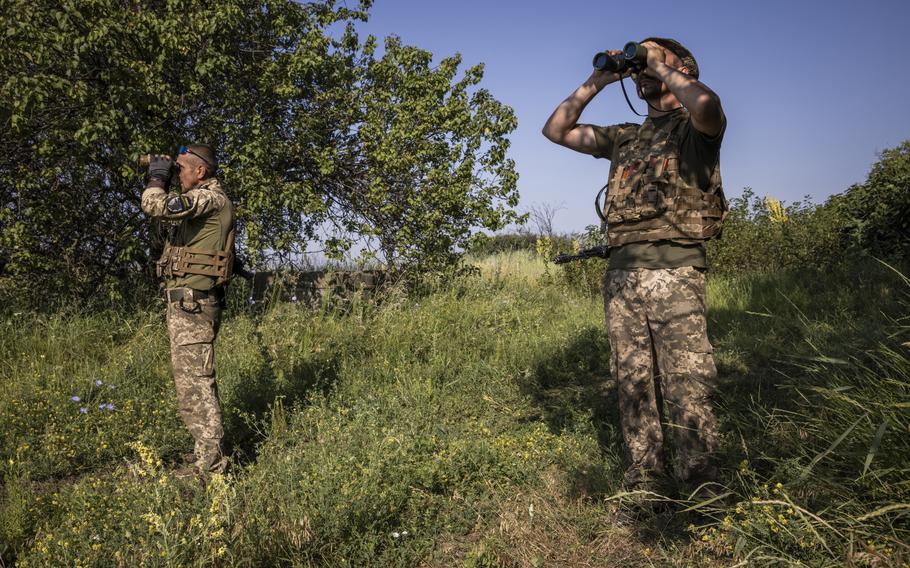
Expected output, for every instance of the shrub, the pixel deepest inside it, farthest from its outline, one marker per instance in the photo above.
(763, 235)
(877, 212)
(512, 242)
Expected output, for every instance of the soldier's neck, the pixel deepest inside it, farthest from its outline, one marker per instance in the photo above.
(668, 102)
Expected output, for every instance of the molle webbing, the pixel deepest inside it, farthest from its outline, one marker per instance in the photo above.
(648, 199)
(182, 261)
(209, 253)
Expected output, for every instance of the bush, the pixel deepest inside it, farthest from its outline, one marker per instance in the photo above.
(877, 212)
(488, 245)
(585, 275)
(763, 235)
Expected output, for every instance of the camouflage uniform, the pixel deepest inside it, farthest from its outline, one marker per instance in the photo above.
(193, 327)
(197, 249)
(660, 314)
(663, 201)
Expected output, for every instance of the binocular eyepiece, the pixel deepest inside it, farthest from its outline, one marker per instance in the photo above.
(145, 160)
(633, 57)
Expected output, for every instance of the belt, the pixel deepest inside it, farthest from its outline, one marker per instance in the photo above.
(190, 294)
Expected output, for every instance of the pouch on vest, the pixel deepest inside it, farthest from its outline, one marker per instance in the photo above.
(183, 261)
(648, 200)
(640, 192)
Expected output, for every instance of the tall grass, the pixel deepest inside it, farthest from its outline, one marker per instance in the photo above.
(471, 426)
(818, 420)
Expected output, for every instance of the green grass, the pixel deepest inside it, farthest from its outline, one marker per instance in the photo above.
(472, 426)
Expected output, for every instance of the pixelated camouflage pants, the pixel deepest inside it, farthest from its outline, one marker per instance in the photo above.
(193, 326)
(658, 315)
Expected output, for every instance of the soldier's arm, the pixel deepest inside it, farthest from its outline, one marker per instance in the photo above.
(702, 103)
(172, 206)
(562, 127)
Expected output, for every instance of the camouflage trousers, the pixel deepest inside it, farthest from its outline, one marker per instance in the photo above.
(193, 326)
(661, 353)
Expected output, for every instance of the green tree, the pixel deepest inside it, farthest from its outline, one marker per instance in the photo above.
(878, 211)
(321, 140)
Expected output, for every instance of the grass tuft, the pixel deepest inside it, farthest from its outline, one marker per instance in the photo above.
(474, 425)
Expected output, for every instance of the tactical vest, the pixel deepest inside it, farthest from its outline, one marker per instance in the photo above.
(200, 247)
(647, 199)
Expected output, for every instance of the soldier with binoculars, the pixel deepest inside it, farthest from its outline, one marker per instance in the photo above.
(195, 267)
(663, 201)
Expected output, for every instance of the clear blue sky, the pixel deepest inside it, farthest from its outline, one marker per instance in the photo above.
(812, 90)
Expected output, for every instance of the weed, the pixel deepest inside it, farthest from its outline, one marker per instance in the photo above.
(472, 425)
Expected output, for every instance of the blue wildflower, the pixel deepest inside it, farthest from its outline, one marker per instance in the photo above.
(83, 410)
(75, 398)
(98, 382)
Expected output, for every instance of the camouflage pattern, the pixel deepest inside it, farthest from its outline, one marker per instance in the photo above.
(647, 198)
(193, 326)
(203, 200)
(203, 219)
(659, 315)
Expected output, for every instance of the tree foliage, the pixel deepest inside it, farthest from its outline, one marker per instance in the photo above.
(763, 235)
(869, 218)
(322, 140)
(877, 212)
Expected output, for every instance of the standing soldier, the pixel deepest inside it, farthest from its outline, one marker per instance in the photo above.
(195, 267)
(664, 200)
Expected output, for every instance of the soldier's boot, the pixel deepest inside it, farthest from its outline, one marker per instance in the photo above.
(638, 502)
(638, 478)
(190, 472)
(649, 489)
(705, 494)
(705, 491)
(210, 458)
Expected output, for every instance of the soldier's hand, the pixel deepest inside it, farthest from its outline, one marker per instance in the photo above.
(656, 54)
(160, 168)
(602, 78)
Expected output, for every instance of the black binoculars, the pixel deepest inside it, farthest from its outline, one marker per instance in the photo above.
(633, 56)
(145, 160)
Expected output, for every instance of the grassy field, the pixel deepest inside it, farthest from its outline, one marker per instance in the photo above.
(472, 426)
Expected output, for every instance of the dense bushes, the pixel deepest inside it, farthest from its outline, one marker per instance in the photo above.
(877, 213)
(763, 235)
(870, 218)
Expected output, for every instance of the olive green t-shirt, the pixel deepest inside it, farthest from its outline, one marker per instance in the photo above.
(698, 154)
